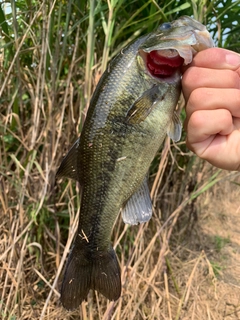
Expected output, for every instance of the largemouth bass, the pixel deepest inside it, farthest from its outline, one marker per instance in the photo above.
(130, 113)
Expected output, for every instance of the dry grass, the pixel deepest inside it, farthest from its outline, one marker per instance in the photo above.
(183, 264)
(181, 278)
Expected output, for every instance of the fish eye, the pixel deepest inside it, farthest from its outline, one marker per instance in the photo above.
(165, 26)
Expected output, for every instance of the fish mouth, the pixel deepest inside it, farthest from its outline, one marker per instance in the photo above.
(174, 44)
(162, 63)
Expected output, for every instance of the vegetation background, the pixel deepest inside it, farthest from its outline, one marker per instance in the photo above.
(184, 263)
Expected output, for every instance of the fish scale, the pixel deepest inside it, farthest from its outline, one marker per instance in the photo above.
(131, 111)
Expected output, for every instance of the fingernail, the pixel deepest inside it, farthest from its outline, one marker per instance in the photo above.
(233, 59)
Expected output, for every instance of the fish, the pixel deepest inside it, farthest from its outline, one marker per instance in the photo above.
(131, 111)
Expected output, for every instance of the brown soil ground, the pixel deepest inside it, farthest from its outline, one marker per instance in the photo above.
(214, 273)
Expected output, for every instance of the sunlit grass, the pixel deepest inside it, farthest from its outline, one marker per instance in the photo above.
(52, 54)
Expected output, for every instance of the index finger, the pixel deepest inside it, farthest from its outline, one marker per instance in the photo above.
(217, 58)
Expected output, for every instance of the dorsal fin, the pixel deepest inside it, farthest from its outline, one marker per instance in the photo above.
(68, 167)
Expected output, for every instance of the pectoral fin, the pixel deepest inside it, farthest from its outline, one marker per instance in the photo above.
(138, 208)
(175, 128)
(141, 108)
(68, 167)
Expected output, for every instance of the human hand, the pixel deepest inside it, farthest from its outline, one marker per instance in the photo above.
(211, 87)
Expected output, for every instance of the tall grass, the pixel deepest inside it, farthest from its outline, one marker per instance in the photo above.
(51, 58)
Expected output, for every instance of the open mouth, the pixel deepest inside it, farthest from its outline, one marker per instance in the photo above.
(163, 63)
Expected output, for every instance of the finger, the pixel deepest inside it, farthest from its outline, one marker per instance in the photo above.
(214, 136)
(212, 98)
(217, 58)
(221, 151)
(207, 123)
(200, 77)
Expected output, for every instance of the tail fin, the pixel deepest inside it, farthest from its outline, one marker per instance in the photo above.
(84, 271)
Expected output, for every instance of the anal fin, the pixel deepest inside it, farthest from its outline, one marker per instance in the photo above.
(138, 208)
